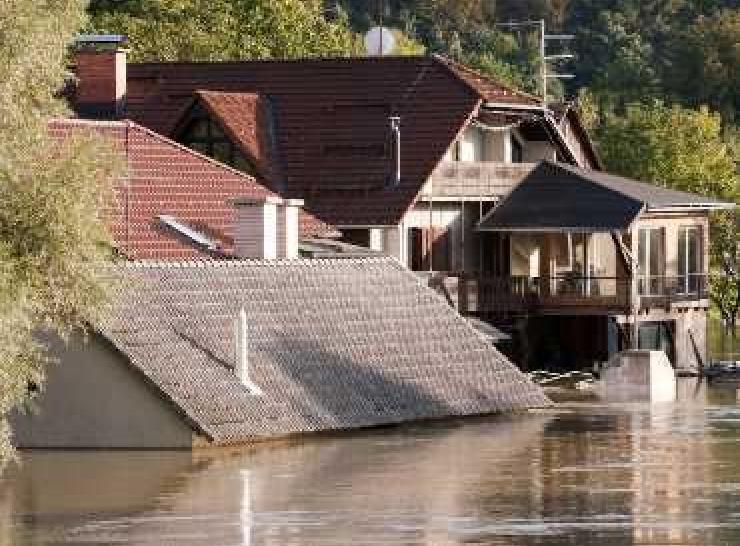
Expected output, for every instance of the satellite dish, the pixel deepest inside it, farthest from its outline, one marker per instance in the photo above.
(379, 41)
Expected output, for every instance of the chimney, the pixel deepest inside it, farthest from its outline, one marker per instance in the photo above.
(101, 75)
(256, 232)
(241, 350)
(289, 228)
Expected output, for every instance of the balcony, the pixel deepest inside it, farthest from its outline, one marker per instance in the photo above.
(662, 291)
(486, 181)
(507, 296)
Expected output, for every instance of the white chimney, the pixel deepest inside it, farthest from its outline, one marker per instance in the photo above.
(289, 228)
(255, 233)
(241, 350)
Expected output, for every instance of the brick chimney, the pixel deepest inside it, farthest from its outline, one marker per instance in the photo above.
(101, 76)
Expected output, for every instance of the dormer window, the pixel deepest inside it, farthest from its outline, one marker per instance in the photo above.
(206, 136)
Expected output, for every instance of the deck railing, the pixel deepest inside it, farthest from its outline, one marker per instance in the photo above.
(485, 179)
(692, 286)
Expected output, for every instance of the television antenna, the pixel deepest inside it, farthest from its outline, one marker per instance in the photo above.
(544, 57)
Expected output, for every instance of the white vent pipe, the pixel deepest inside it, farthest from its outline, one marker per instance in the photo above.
(241, 349)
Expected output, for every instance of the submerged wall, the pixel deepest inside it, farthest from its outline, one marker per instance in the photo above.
(93, 399)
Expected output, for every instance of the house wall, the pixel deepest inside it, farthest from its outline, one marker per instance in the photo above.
(536, 150)
(575, 144)
(93, 399)
(459, 219)
(690, 331)
(671, 224)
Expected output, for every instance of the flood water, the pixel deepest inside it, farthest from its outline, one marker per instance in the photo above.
(582, 474)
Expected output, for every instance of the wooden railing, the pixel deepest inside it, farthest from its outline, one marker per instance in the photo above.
(479, 179)
(659, 290)
(503, 296)
(506, 296)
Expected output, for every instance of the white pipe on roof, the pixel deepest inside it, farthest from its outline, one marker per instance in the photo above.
(241, 349)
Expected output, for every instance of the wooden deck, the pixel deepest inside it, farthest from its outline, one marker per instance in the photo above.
(496, 297)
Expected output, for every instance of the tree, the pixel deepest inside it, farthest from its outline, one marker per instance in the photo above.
(683, 149)
(53, 244)
(225, 29)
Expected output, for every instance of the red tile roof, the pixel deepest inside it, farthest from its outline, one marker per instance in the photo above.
(165, 178)
(246, 119)
(331, 121)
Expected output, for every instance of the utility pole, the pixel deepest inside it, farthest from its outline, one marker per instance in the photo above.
(544, 57)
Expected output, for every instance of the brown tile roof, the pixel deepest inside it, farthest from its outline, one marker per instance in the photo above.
(333, 344)
(165, 178)
(489, 89)
(331, 121)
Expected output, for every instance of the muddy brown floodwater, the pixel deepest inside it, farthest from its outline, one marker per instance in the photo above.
(581, 474)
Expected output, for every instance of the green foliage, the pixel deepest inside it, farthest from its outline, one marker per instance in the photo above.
(52, 241)
(670, 145)
(225, 29)
(683, 149)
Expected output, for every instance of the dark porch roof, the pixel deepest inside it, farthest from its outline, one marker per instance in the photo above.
(555, 196)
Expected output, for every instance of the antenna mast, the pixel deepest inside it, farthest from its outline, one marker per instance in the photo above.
(544, 57)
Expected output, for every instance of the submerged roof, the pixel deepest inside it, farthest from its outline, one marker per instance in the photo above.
(168, 186)
(330, 120)
(555, 196)
(333, 344)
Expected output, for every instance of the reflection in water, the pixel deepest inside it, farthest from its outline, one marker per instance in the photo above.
(583, 474)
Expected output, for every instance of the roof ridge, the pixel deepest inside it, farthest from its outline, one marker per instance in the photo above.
(296, 60)
(89, 122)
(250, 262)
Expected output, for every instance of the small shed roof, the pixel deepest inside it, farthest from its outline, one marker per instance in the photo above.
(333, 344)
(555, 196)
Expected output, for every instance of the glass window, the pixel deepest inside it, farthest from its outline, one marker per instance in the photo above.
(689, 259)
(651, 261)
(207, 137)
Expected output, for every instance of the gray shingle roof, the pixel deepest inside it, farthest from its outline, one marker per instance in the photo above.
(333, 344)
(559, 196)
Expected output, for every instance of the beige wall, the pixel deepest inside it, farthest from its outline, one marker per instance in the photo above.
(94, 399)
(464, 240)
(671, 224)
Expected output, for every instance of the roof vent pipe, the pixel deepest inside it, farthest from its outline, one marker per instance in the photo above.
(396, 149)
(241, 349)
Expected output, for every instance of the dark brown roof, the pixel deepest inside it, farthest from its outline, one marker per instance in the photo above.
(331, 121)
(333, 344)
(559, 196)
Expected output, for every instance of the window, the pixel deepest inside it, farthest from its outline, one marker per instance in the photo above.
(689, 259)
(651, 261)
(206, 137)
(517, 150)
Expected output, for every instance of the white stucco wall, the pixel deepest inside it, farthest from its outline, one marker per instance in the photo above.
(94, 399)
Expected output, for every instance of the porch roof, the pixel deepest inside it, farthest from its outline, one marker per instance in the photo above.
(559, 197)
